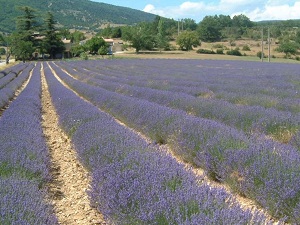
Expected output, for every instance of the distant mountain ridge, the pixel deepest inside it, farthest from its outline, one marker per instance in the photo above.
(77, 14)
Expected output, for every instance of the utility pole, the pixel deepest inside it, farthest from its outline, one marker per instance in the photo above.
(7, 51)
(269, 46)
(178, 27)
(262, 44)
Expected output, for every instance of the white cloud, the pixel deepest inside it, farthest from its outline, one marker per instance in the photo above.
(254, 9)
(151, 9)
(275, 12)
(188, 6)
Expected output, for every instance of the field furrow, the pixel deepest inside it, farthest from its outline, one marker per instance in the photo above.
(15, 86)
(24, 160)
(135, 182)
(168, 142)
(70, 180)
(257, 168)
(245, 203)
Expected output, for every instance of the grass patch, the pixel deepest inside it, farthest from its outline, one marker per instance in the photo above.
(282, 133)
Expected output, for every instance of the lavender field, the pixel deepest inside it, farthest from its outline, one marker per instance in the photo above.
(238, 121)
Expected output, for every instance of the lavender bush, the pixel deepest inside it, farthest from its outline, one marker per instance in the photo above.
(11, 73)
(134, 182)
(9, 90)
(207, 143)
(24, 160)
(251, 119)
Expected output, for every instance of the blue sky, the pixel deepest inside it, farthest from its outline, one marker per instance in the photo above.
(256, 10)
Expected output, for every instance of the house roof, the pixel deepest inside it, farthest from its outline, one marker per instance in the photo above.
(65, 41)
(108, 40)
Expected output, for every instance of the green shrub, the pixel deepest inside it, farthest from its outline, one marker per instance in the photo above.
(218, 46)
(220, 51)
(84, 56)
(205, 51)
(246, 48)
(234, 52)
(259, 54)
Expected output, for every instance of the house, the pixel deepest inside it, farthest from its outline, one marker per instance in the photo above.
(110, 43)
(68, 45)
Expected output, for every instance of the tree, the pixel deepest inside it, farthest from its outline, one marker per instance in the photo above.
(77, 49)
(94, 44)
(224, 21)
(189, 24)
(241, 22)
(52, 42)
(106, 32)
(161, 38)
(27, 24)
(187, 40)
(2, 40)
(23, 41)
(116, 32)
(139, 36)
(209, 29)
(2, 51)
(297, 37)
(288, 47)
(24, 50)
(103, 51)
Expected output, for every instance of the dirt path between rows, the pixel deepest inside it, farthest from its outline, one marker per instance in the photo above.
(70, 180)
(245, 203)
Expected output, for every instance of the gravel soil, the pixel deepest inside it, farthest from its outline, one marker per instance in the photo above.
(70, 180)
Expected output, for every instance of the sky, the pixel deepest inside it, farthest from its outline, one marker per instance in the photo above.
(256, 10)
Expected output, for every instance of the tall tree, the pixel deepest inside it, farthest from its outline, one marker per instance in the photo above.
(241, 22)
(27, 23)
(189, 24)
(209, 29)
(161, 38)
(93, 45)
(288, 47)
(52, 42)
(187, 40)
(139, 36)
(23, 41)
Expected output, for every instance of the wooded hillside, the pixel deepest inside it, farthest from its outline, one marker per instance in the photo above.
(77, 14)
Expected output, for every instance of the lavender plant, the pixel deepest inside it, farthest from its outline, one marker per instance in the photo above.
(205, 143)
(280, 125)
(134, 182)
(12, 73)
(24, 160)
(9, 90)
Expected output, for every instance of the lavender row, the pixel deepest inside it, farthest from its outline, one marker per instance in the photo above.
(24, 160)
(133, 182)
(280, 125)
(207, 78)
(11, 74)
(210, 145)
(9, 90)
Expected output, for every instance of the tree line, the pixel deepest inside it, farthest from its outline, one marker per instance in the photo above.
(33, 37)
(155, 35)
(187, 33)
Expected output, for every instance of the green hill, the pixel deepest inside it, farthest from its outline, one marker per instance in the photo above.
(79, 14)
